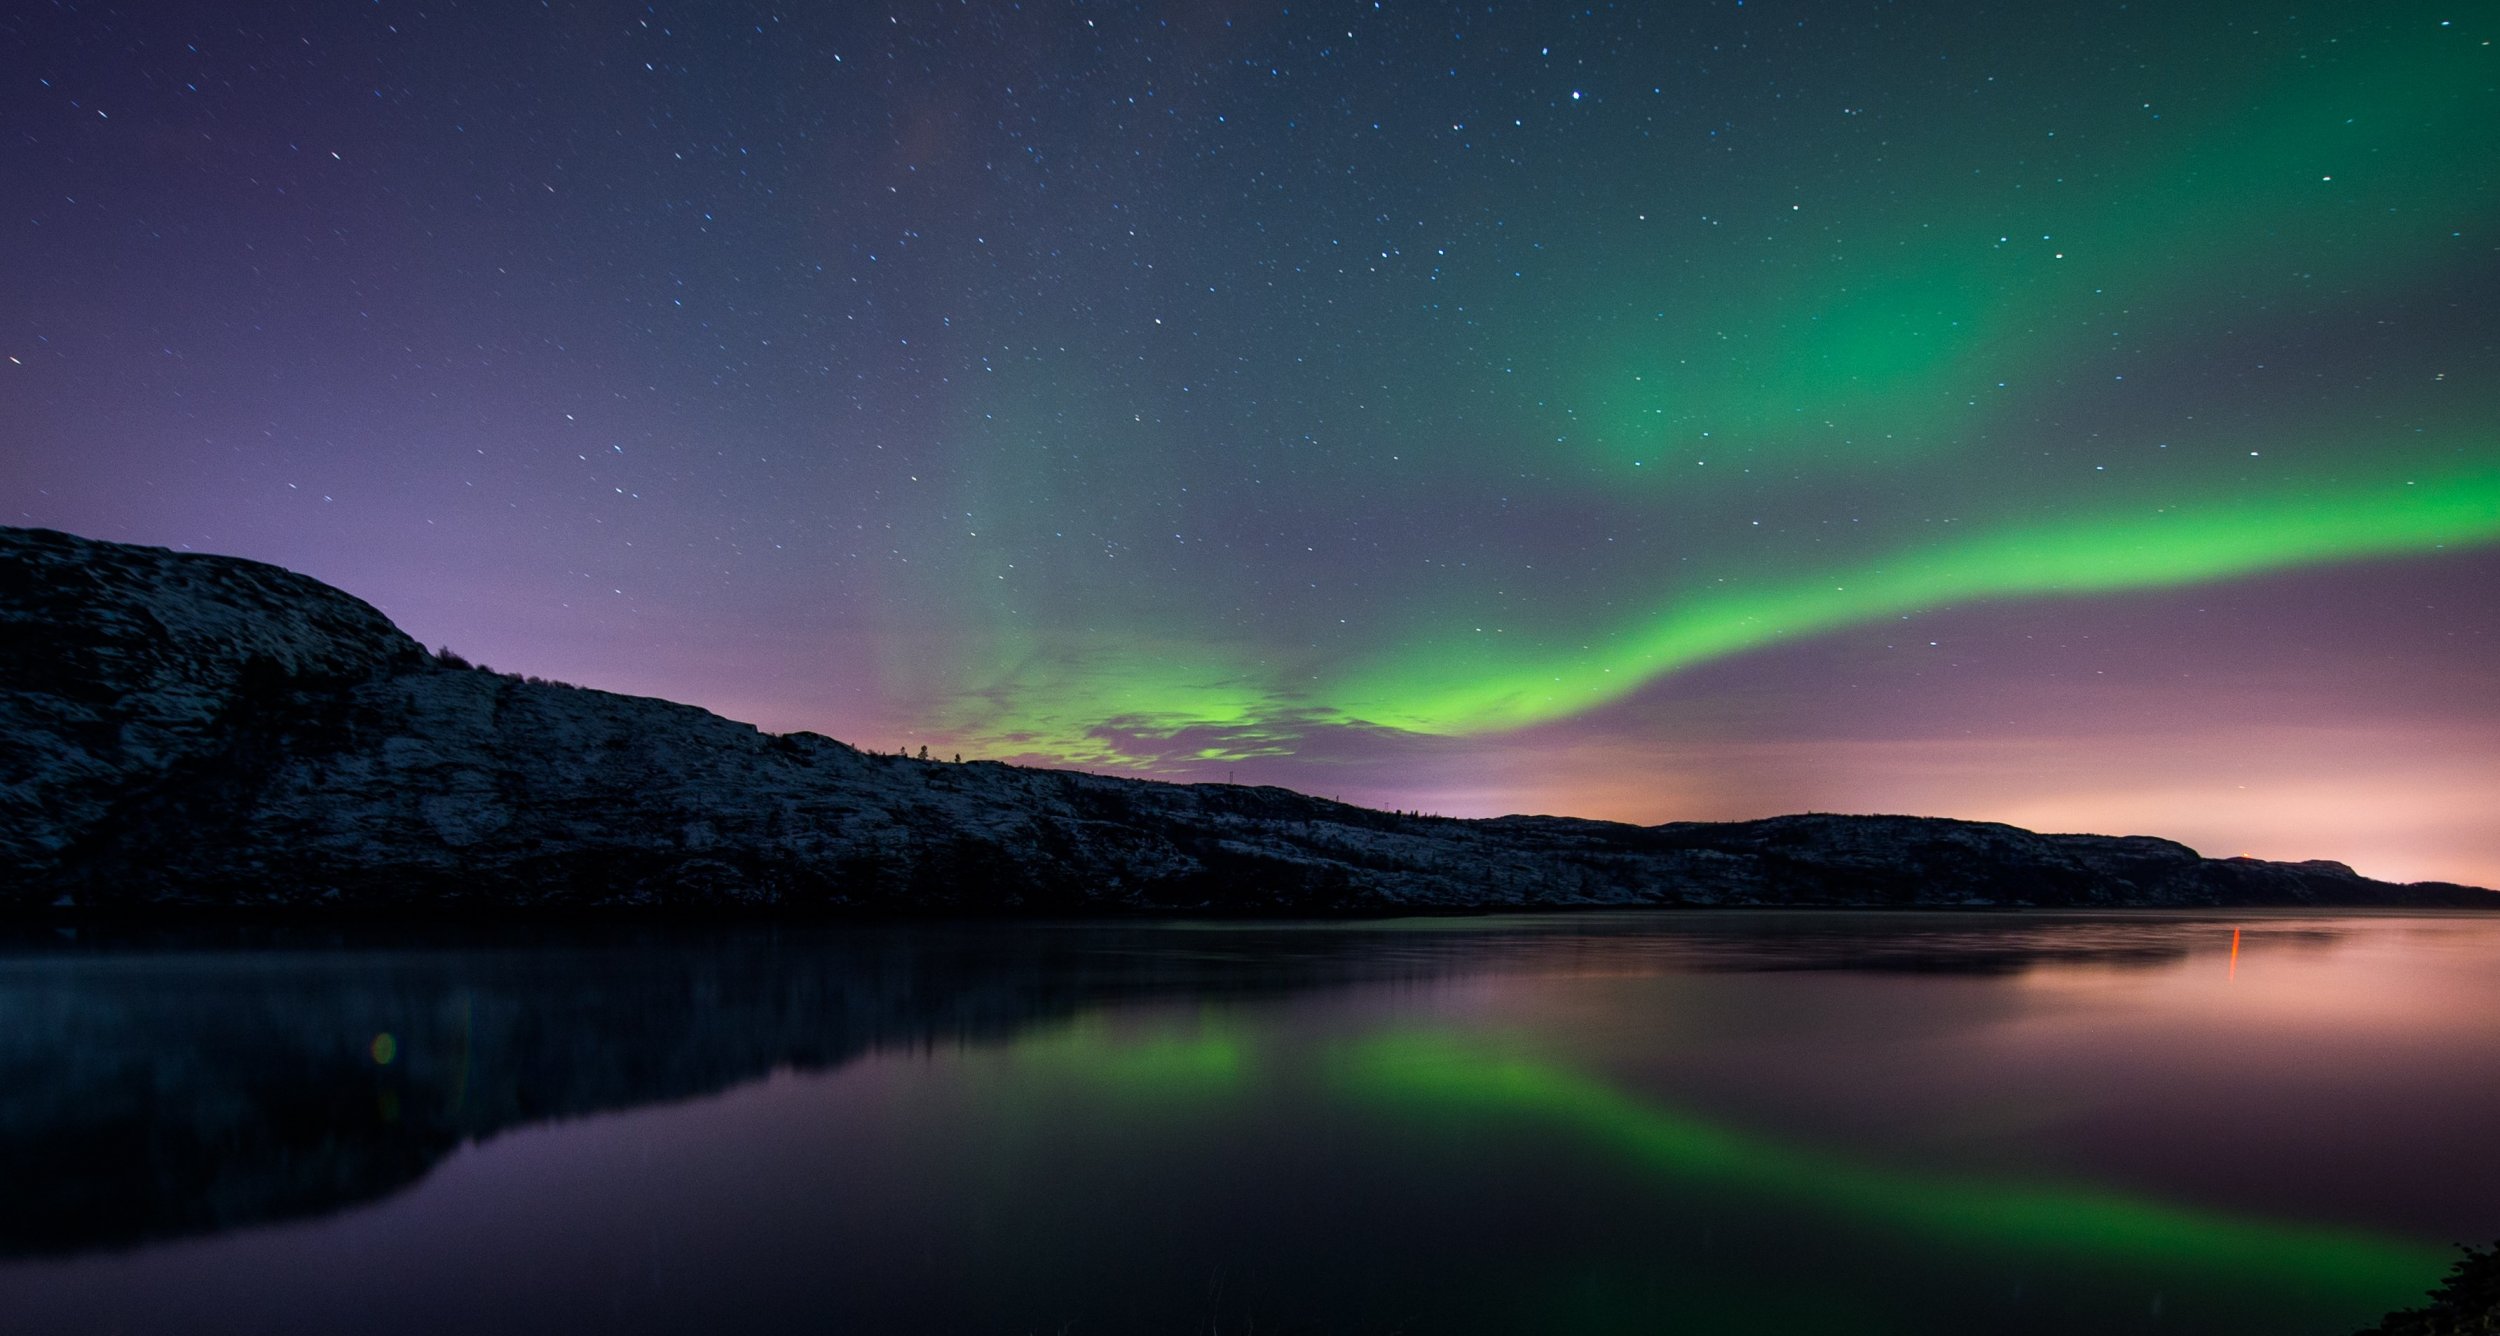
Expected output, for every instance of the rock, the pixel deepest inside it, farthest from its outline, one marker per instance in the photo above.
(206, 731)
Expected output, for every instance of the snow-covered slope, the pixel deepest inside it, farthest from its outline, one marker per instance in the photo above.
(185, 729)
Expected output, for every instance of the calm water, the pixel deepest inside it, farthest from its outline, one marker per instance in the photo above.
(1637, 1123)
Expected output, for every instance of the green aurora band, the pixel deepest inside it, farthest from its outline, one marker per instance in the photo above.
(1473, 684)
(1907, 385)
(2344, 170)
(1451, 687)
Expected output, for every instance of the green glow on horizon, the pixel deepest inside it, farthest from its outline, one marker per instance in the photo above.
(1073, 707)
(1437, 1075)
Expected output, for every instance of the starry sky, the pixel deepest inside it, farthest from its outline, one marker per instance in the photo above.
(2085, 415)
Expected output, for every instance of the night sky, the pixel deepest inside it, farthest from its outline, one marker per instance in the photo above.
(2082, 415)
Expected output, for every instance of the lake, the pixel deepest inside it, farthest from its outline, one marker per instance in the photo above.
(1644, 1122)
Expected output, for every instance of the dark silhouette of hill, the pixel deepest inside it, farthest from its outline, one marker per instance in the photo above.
(191, 730)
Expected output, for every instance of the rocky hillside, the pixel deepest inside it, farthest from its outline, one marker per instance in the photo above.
(196, 730)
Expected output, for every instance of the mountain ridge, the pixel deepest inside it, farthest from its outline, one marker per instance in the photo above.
(211, 731)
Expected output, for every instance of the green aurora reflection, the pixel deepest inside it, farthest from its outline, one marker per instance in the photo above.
(1436, 1077)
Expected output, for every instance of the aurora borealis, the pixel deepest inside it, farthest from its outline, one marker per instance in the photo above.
(2080, 415)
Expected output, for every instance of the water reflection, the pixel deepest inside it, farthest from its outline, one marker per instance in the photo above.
(170, 1085)
(159, 1083)
(1586, 1120)
(1436, 1073)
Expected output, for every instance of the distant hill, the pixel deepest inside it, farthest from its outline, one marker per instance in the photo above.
(198, 730)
